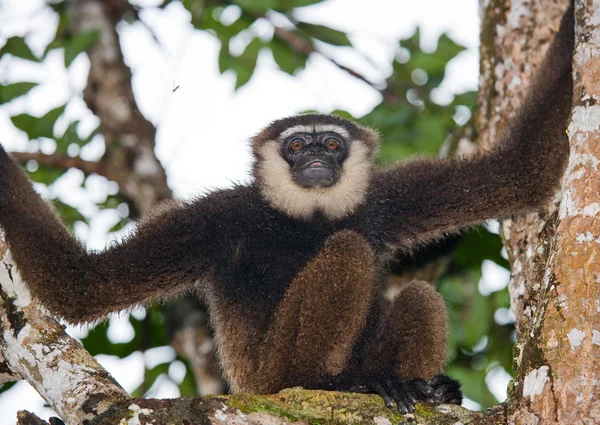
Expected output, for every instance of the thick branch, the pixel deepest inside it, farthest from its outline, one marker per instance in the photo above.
(37, 348)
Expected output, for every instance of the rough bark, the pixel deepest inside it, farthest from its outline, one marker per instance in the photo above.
(36, 348)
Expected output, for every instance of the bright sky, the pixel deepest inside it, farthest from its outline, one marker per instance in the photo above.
(203, 126)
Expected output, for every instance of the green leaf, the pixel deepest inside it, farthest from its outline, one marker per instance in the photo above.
(46, 175)
(226, 60)
(150, 376)
(447, 48)
(245, 64)
(286, 6)
(473, 385)
(79, 43)
(7, 386)
(12, 91)
(476, 326)
(479, 244)
(257, 6)
(111, 202)
(120, 225)
(302, 3)
(38, 127)
(151, 330)
(289, 60)
(63, 28)
(17, 47)
(468, 99)
(209, 20)
(325, 34)
(343, 114)
(187, 388)
(68, 214)
(71, 136)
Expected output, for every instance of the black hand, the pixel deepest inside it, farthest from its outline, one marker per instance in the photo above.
(393, 390)
(441, 389)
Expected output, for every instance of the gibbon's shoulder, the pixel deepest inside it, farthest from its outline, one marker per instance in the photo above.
(243, 201)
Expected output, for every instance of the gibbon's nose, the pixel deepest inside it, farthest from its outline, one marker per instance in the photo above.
(316, 151)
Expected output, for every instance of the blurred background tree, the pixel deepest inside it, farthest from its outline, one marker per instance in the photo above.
(91, 150)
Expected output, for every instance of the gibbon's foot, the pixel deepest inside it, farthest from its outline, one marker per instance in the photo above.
(391, 388)
(441, 389)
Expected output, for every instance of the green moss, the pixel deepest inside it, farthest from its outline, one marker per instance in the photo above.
(335, 408)
(532, 358)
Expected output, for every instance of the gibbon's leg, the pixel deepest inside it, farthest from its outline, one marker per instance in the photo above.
(412, 342)
(321, 316)
(412, 337)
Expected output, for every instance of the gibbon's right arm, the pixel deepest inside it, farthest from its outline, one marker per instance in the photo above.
(425, 199)
(163, 257)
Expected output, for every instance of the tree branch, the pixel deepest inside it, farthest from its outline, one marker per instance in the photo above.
(60, 161)
(301, 45)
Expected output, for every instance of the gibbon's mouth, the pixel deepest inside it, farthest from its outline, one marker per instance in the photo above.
(317, 163)
(316, 174)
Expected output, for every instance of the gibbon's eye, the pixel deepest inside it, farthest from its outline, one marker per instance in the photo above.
(332, 145)
(296, 145)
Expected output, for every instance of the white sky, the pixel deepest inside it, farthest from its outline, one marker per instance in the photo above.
(203, 126)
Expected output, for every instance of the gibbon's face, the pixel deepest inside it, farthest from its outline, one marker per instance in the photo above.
(313, 163)
(315, 157)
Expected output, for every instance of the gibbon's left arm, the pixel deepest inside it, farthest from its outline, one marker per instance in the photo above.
(161, 258)
(423, 199)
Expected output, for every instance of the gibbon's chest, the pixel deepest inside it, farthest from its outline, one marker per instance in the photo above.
(260, 262)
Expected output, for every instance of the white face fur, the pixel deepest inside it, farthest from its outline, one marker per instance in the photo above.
(337, 201)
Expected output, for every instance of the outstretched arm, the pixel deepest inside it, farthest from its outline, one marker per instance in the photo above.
(163, 257)
(423, 199)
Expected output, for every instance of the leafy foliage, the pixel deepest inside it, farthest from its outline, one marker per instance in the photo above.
(71, 137)
(79, 43)
(324, 34)
(415, 123)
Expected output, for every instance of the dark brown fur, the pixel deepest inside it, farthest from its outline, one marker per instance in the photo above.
(293, 297)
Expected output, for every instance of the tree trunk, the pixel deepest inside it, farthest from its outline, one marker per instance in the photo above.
(554, 286)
